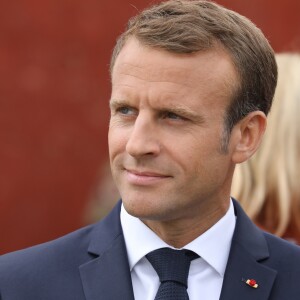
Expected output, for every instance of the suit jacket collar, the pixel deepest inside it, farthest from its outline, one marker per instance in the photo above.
(107, 275)
(249, 250)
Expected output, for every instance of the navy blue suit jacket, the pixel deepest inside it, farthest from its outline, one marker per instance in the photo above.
(91, 264)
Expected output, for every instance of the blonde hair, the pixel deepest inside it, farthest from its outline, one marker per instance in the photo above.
(268, 185)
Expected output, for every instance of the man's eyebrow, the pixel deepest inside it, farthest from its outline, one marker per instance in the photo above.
(113, 103)
(184, 112)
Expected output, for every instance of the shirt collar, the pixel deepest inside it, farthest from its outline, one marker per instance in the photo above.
(212, 246)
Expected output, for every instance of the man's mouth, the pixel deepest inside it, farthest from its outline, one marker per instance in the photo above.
(144, 177)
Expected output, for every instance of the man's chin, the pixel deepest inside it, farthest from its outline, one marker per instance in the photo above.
(138, 210)
(145, 211)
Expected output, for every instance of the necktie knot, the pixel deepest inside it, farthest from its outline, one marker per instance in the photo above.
(172, 265)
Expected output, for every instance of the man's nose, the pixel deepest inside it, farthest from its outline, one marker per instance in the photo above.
(143, 138)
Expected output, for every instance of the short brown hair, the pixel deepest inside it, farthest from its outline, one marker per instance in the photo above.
(187, 26)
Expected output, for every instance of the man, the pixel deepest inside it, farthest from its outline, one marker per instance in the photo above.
(192, 84)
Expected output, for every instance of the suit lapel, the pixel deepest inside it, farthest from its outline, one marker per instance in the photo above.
(107, 276)
(248, 251)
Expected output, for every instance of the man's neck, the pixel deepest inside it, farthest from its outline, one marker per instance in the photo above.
(180, 232)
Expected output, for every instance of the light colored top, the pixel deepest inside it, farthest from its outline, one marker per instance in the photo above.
(206, 273)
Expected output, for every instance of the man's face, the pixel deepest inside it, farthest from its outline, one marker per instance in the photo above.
(167, 116)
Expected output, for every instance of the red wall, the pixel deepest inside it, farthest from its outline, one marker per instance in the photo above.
(54, 91)
(278, 19)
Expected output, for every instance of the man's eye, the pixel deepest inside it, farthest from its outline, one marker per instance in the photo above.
(171, 115)
(125, 110)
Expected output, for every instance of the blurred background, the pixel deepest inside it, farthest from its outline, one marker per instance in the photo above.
(54, 92)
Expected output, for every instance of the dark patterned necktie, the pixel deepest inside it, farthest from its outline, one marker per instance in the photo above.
(172, 268)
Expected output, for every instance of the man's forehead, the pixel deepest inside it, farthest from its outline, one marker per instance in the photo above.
(212, 67)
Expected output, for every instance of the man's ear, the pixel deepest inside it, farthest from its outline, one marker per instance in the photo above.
(247, 136)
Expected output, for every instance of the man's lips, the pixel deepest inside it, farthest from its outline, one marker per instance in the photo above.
(138, 177)
(145, 173)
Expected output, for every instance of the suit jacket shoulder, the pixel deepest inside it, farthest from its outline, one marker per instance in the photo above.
(61, 269)
(54, 264)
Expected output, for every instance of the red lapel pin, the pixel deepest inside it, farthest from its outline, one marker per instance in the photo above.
(251, 282)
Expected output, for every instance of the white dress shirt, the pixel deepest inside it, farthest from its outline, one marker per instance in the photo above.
(206, 273)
